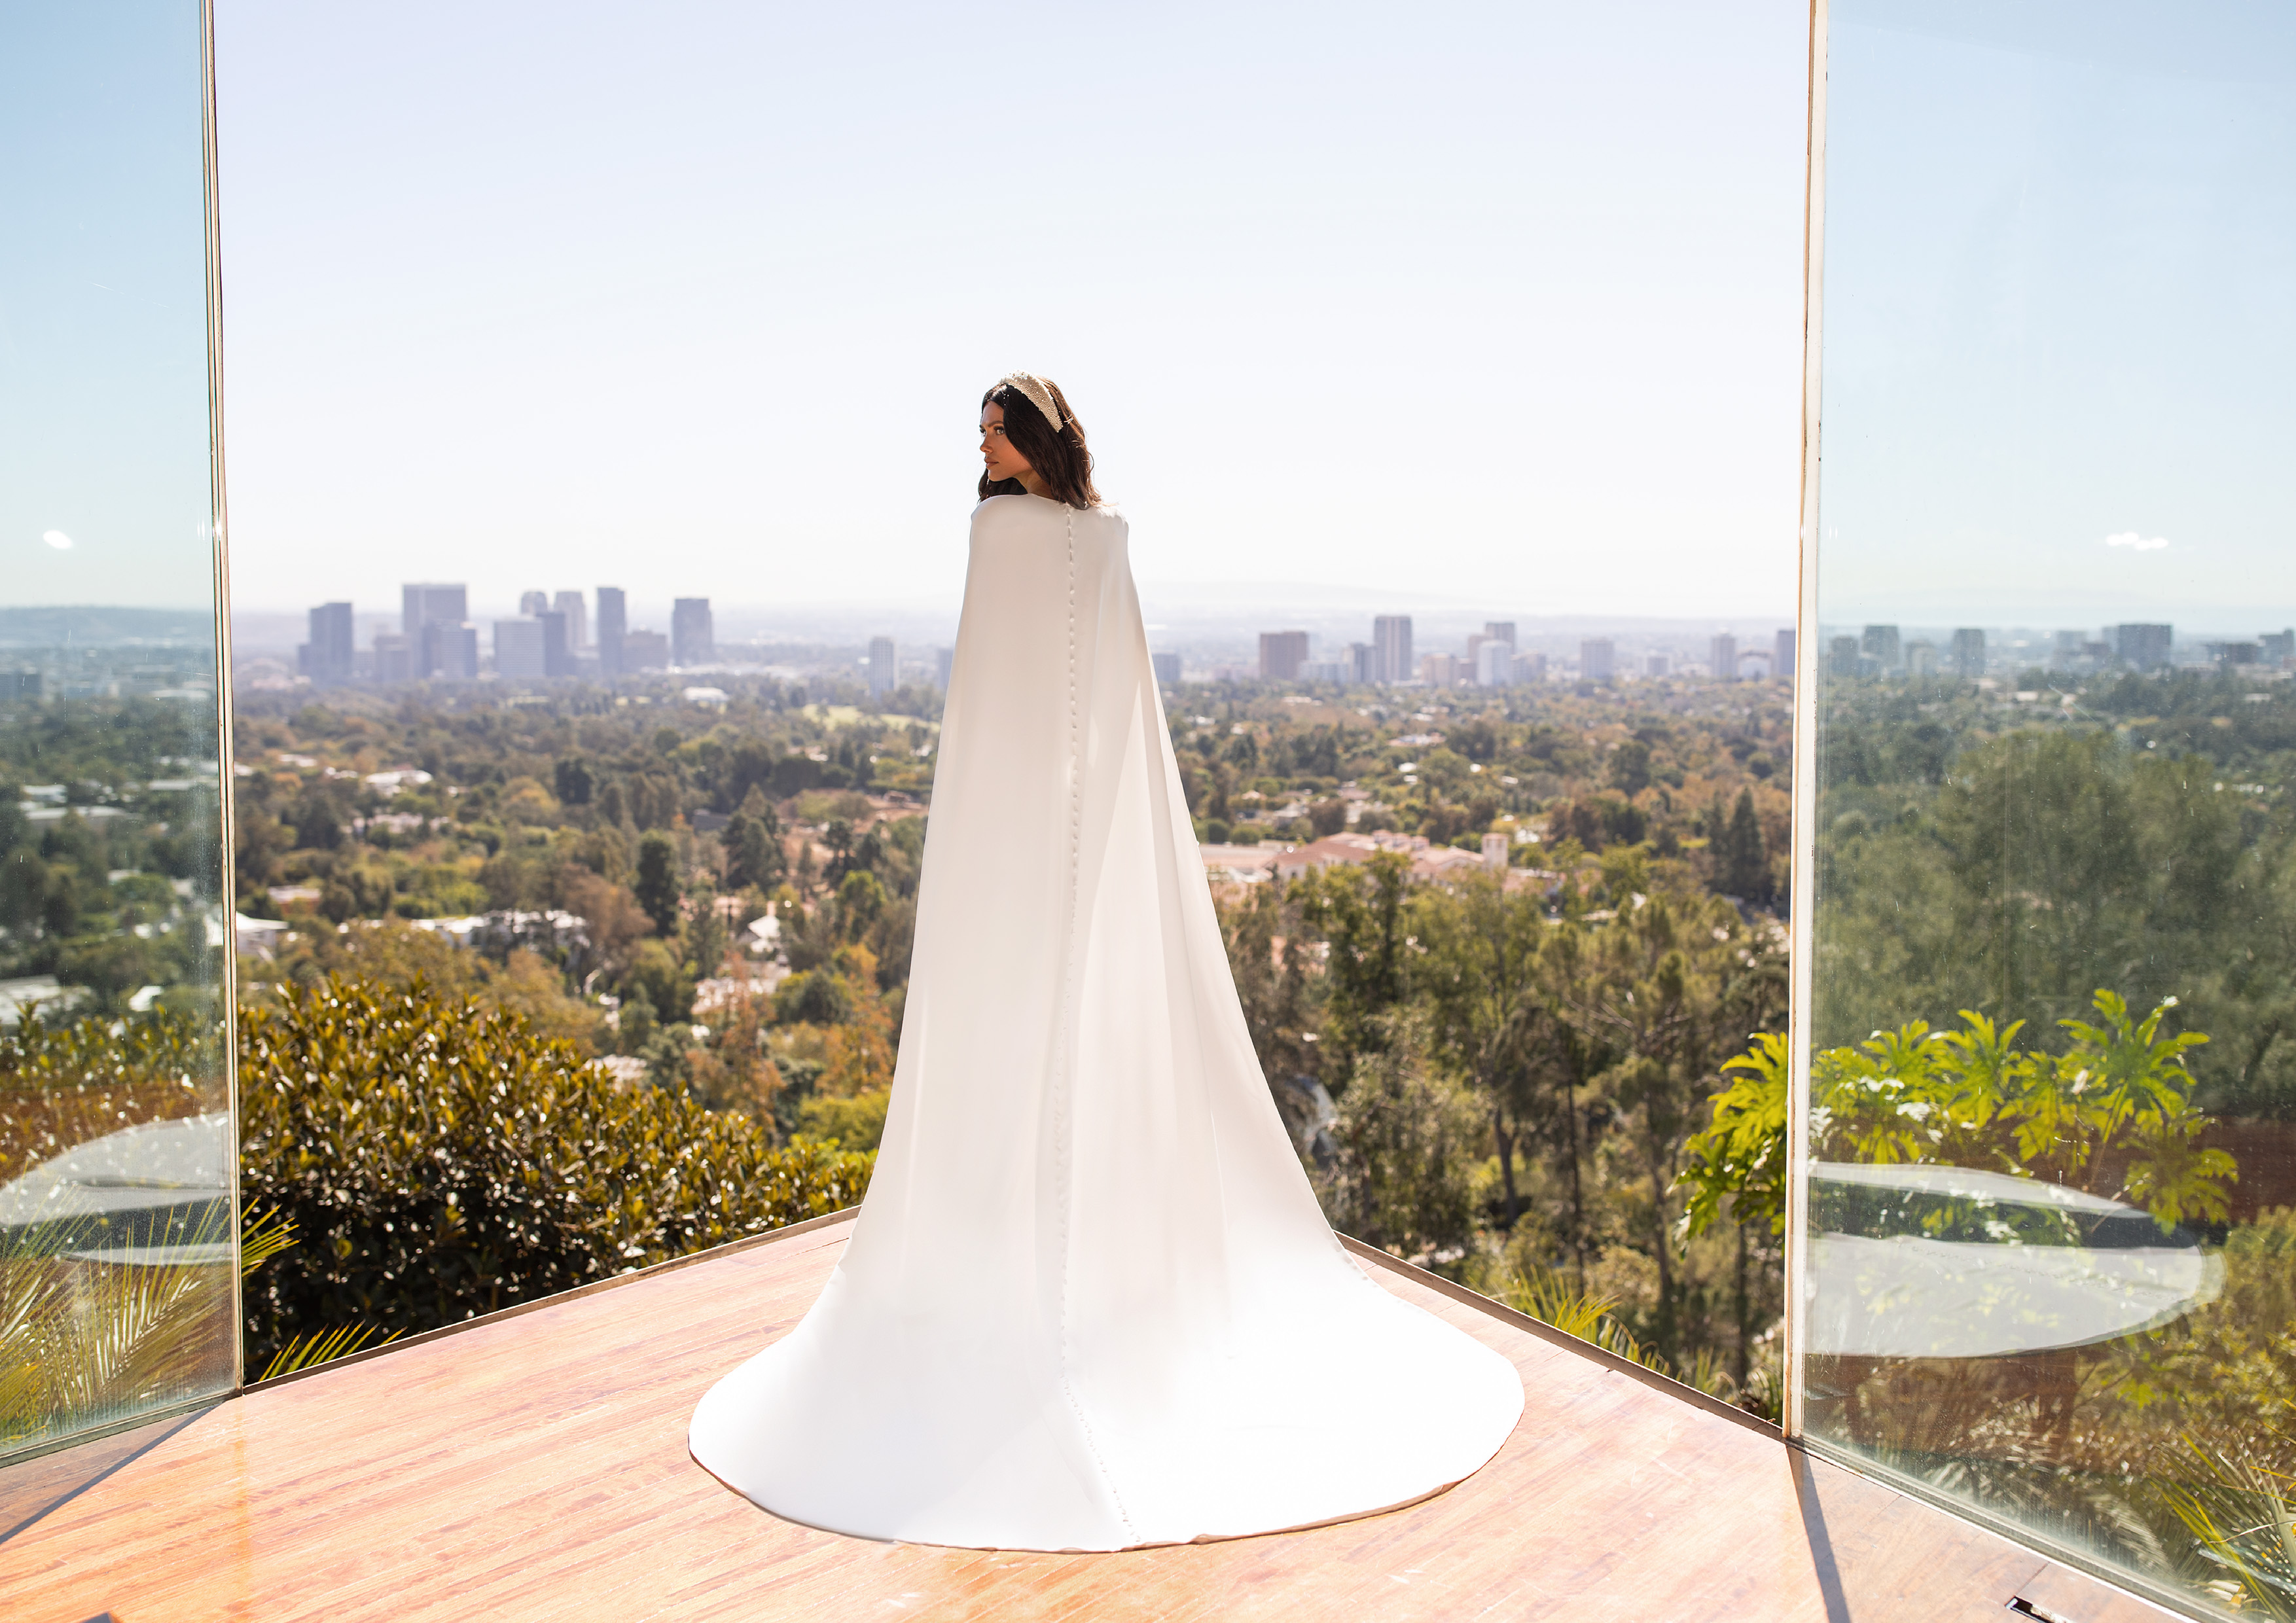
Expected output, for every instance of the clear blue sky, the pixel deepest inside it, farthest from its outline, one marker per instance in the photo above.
(1497, 300)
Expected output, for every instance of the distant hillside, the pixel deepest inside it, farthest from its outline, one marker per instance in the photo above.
(95, 626)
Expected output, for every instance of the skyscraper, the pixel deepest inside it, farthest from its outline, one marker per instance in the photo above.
(1879, 644)
(533, 603)
(578, 621)
(557, 653)
(1722, 657)
(394, 658)
(2276, 647)
(1842, 657)
(613, 621)
(1596, 659)
(2144, 647)
(519, 650)
(692, 640)
(1166, 667)
(1391, 636)
(1782, 663)
(424, 603)
(1969, 651)
(1362, 662)
(447, 650)
(1499, 631)
(884, 667)
(326, 658)
(1494, 663)
(1281, 653)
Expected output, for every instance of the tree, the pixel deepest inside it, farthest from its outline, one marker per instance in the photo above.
(1745, 867)
(1407, 1135)
(658, 890)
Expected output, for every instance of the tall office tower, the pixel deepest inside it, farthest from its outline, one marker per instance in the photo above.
(1440, 669)
(1500, 631)
(428, 601)
(613, 621)
(1494, 663)
(2144, 647)
(1842, 657)
(1879, 644)
(1362, 660)
(692, 641)
(1921, 659)
(1782, 662)
(517, 647)
(944, 659)
(645, 651)
(326, 658)
(533, 603)
(884, 667)
(1722, 658)
(394, 657)
(1968, 653)
(447, 650)
(2065, 649)
(557, 651)
(1166, 667)
(1391, 636)
(1530, 667)
(577, 620)
(2276, 647)
(1281, 653)
(1654, 665)
(1596, 659)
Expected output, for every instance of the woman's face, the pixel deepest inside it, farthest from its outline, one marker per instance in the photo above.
(1003, 461)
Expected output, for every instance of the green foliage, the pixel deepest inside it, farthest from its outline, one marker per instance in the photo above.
(1972, 1098)
(442, 1161)
(657, 887)
(1408, 1130)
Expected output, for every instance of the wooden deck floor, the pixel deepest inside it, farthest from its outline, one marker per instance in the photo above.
(534, 1467)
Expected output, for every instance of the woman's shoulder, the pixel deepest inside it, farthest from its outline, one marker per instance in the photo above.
(1013, 511)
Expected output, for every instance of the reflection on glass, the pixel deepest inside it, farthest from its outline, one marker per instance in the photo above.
(117, 1227)
(2050, 1269)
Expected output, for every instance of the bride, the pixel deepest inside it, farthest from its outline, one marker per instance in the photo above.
(1089, 1302)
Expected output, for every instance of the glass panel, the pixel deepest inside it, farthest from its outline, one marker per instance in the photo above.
(117, 1233)
(2053, 1131)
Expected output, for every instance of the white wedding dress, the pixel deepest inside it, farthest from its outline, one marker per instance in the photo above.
(1089, 1302)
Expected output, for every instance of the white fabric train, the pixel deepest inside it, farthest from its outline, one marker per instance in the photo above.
(1090, 1302)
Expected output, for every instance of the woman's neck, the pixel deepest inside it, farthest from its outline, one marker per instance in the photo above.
(1035, 486)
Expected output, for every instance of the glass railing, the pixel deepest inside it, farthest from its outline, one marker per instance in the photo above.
(2049, 1228)
(118, 1232)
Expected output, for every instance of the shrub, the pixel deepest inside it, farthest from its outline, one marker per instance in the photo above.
(439, 1160)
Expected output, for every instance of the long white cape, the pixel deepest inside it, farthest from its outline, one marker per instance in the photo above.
(1089, 1302)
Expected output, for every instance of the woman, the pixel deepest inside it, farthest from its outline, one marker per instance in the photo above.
(1089, 1302)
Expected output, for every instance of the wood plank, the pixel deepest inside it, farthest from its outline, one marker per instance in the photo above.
(534, 1467)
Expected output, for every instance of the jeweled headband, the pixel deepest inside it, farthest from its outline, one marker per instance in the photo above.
(1040, 393)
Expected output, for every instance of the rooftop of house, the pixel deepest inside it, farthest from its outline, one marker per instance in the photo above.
(532, 1464)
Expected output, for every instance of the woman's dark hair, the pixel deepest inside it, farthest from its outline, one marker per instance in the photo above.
(1059, 457)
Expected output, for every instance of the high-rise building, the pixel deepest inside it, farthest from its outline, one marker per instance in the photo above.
(1168, 668)
(2143, 647)
(1722, 657)
(447, 650)
(2232, 653)
(1921, 659)
(394, 657)
(1879, 644)
(1494, 663)
(945, 659)
(1390, 637)
(557, 648)
(1782, 661)
(645, 651)
(2276, 647)
(1499, 631)
(424, 603)
(519, 650)
(1968, 653)
(2065, 650)
(1362, 661)
(1654, 665)
(1597, 660)
(533, 603)
(1530, 667)
(1281, 653)
(326, 658)
(1439, 669)
(692, 640)
(577, 620)
(1842, 657)
(613, 621)
(884, 667)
